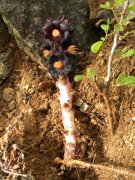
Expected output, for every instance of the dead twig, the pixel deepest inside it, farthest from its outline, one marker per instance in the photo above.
(13, 173)
(81, 164)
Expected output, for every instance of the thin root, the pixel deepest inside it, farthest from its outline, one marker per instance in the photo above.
(81, 164)
(13, 173)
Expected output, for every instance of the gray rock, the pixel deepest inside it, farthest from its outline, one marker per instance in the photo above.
(6, 64)
(25, 18)
(6, 61)
(4, 35)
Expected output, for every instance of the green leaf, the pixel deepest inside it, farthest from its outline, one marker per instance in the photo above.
(78, 78)
(128, 54)
(96, 46)
(105, 27)
(130, 16)
(130, 83)
(118, 27)
(131, 8)
(106, 5)
(125, 22)
(118, 2)
(129, 80)
(120, 78)
(125, 80)
(90, 73)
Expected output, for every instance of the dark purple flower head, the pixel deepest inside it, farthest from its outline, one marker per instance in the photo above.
(58, 30)
(57, 49)
(60, 64)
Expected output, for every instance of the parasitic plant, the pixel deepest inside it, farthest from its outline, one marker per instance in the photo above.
(60, 56)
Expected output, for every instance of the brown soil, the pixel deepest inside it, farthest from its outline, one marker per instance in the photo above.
(41, 136)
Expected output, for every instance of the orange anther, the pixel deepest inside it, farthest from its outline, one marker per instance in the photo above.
(46, 53)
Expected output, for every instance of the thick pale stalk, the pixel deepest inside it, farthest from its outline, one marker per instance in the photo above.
(65, 99)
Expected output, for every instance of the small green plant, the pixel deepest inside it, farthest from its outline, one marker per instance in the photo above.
(88, 74)
(122, 19)
(119, 26)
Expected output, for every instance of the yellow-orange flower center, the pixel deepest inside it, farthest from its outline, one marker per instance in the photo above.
(58, 65)
(55, 33)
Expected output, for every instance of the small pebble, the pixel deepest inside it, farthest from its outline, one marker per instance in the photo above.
(105, 148)
(26, 87)
(78, 102)
(1, 129)
(131, 139)
(31, 90)
(12, 105)
(8, 94)
(116, 98)
(42, 147)
(121, 143)
(34, 160)
(93, 121)
(132, 147)
(16, 167)
(84, 107)
(19, 97)
(99, 105)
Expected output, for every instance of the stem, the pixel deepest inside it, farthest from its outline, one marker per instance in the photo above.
(110, 34)
(81, 164)
(65, 99)
(126, 34)
(115, 43)
(109, 74)
(115, 15)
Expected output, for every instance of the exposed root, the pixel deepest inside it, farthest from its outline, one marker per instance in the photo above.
(13, 173)
(103, 92)
(77, 163)
(109, 112)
